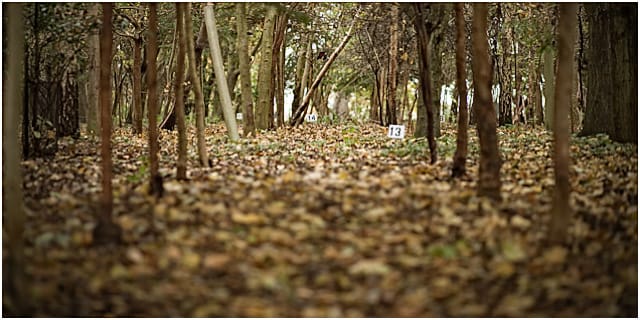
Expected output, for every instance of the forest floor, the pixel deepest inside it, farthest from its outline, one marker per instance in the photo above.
(333, 220)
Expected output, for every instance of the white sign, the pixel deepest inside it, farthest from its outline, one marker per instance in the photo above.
(396, 131)
(311, 118)
(238, 116)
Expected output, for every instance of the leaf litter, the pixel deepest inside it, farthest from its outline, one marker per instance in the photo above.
(332, 221)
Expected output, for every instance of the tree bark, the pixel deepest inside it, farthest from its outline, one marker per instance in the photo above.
(549, 87)
(561, 210)
(152, 100)
(392, 79)
(93, 70)
(181, 166)
(424, 36)
(489, 171)
(245, 76)
(196, 85)
(223, 89)
(13, 210)
(612, 79)
(264, 108)
(137, 85)
(460, 157)
(106, 231)
(301, 65)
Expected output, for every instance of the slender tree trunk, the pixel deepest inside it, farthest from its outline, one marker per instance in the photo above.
(181, 167)
(538, 111)
(223, 89)
(425, 79)
(93, 70)
(298, 117)
(280, 80)
(561, 210)
(460, 157)
(436, 66)
(245, 76)
(392, 80)
(137, 85)
(152, 100)
(197, 88)
(490, 162)
(298, 91)
(373, 112)
(277, 92)
(264, 108)
(13, 215)
(549, 88)
(106, 231)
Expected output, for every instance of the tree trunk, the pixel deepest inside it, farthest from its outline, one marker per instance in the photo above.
(561, 210)
(549, 88)
(93, 123)
(489, 171)
(245, 76)
(373, 112)
(264, 108)
(392, 79)
(13, 210)
(280, 80)
(436, 44)
(152, 100)
(424, 36)
(612, 81)
(223, 89)
(301, 71)
(195, 82)
(137, 85)
(460, 157)
(181, 166)
(106, 231)
(298, 117)
(538, 111)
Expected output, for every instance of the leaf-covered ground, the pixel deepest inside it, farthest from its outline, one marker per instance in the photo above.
(333, 221)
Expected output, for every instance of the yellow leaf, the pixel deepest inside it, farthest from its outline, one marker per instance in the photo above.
(369, 267)
(249, 218)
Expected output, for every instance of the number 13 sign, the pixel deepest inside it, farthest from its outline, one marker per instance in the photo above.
(396, 131)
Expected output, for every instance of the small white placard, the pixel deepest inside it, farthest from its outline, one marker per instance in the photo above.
(396, 131)
(238, 116)
(311, 118)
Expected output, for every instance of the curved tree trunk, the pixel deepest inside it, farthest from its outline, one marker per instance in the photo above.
(489, 171)
(299, 115)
